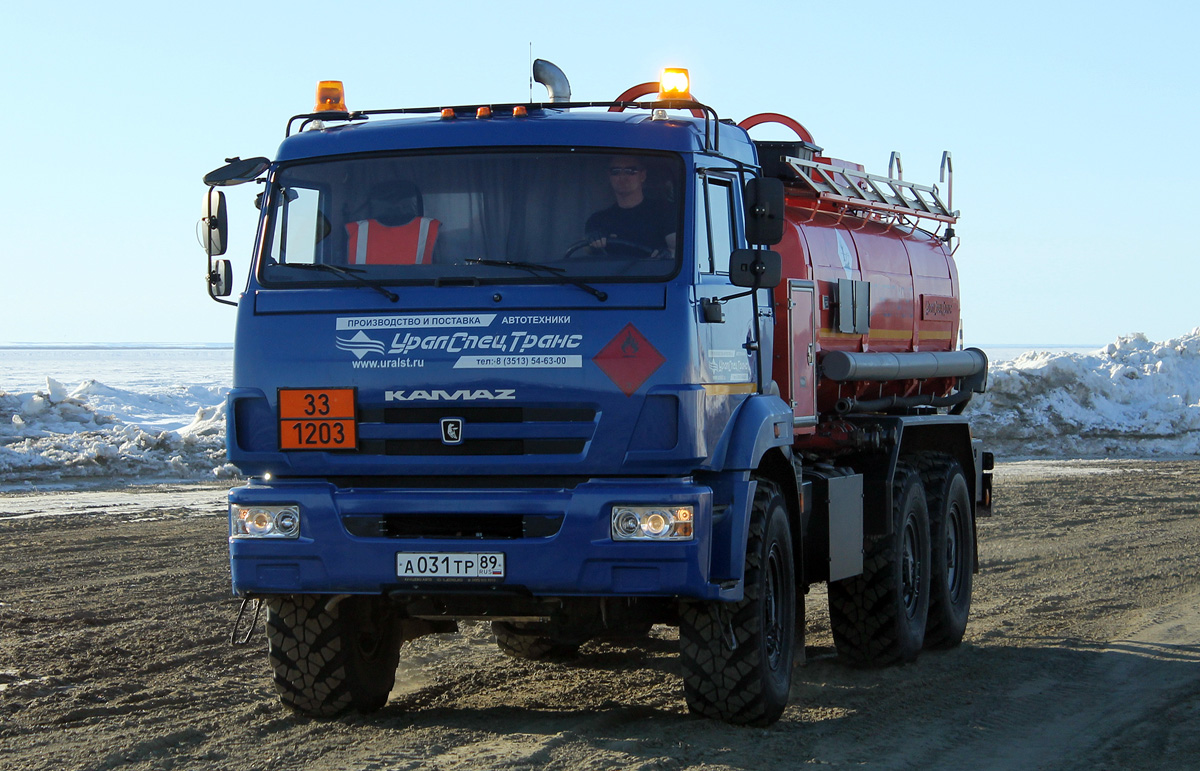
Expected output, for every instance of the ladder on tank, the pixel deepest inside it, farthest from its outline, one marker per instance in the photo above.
(854, 189)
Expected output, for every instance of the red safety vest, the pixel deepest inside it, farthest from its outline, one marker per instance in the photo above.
(374, 244)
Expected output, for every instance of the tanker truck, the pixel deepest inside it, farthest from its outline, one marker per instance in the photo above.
(537, 364)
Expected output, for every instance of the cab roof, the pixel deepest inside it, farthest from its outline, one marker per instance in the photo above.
(541, 127)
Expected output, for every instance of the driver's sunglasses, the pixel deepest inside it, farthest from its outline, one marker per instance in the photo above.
(617, 171)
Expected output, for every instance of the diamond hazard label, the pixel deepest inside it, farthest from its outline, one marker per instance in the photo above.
(629, 359)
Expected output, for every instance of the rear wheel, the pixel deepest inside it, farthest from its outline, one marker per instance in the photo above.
(878, 618)
(952, 531)
(737, 657)
(331, 657)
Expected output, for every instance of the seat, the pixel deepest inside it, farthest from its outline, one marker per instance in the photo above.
(394, 230)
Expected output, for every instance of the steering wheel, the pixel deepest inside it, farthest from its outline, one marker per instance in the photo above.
(645, 251)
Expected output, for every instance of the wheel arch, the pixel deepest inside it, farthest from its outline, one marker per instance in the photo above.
(731, 532)
(777, 466)
(911, 436)
(953, 439)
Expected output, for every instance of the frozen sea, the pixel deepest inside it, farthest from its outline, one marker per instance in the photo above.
(111, 414)
(78, 415)
(143, 368)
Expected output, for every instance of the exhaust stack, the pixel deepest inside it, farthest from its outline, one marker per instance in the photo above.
(550, 76)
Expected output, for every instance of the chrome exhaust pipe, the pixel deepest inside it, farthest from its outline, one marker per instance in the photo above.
(550, 76)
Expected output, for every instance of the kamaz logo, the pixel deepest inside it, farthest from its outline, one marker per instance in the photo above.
(461, 395)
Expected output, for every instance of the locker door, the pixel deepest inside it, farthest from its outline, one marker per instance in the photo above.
(802, 330)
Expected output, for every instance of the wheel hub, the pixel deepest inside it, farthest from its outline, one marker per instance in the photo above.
(773, 632)
(910, 569)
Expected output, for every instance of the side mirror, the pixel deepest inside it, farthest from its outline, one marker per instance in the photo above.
(220, 279)
(755, 268)
(214, 226)
(236, 171)
(764, 211)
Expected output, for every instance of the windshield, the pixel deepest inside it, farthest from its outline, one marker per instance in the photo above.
(562, 215)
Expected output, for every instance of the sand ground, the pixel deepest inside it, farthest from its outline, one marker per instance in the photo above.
(1083, 652)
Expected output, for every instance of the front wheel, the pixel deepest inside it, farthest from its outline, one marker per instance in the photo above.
(737, 657)
(330, 657)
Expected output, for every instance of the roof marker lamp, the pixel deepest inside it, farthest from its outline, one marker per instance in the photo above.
(652, 523)
(675, 84)
(331, 97)
(265, 521)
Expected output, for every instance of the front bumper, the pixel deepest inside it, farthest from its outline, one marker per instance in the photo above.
(332, 555)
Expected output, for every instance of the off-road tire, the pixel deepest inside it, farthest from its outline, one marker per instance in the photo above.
(952, 539)
(330, 658)
(746, 682)
(531, 641)
(878, 617)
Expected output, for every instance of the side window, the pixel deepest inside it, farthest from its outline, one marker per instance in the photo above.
(299, 226)
(703, 250)
(715, 233)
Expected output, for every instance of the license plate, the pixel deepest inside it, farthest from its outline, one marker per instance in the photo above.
(449, 565)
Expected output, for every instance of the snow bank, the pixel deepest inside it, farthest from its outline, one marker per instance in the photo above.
(102, 433)
(1133, 399)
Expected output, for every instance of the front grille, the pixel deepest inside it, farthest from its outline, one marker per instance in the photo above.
(473, 447)
(472, 482)
(454, 526)
(393, 415)
(511, 430)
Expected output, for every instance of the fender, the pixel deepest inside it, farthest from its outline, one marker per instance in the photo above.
(761, 422)
(912, 434)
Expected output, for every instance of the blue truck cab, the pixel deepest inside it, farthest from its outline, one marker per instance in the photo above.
(515, 391)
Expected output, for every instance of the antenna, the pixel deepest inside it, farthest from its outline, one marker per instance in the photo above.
(530, 70)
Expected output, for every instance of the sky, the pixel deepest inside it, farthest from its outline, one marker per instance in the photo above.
(1071, 126)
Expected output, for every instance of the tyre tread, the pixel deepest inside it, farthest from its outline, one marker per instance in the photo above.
(315, 673)
(721, 683)
(936, 471)
(864, 609)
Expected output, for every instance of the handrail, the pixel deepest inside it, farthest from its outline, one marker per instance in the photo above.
(783, 120)
(855, 189)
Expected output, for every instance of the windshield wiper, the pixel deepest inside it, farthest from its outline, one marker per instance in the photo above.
(599, 294)
(337, 270)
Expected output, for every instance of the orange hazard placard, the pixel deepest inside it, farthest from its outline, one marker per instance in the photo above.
(317, 419)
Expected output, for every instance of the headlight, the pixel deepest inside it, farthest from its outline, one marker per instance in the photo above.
(265, 521)
(652, 523)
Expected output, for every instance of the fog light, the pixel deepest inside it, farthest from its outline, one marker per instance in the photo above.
(652, 523)
(264, 521)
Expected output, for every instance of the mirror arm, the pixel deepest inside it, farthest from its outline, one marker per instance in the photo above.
(214, 279)
(727, 298)
(221, 300)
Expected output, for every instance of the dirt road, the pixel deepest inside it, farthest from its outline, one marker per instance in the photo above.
(1083, 653)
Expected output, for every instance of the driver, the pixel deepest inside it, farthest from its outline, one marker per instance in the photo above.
(634, 220)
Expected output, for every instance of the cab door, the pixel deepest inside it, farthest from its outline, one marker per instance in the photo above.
(726, 329)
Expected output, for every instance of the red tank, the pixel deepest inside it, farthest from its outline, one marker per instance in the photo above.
(869, 304)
